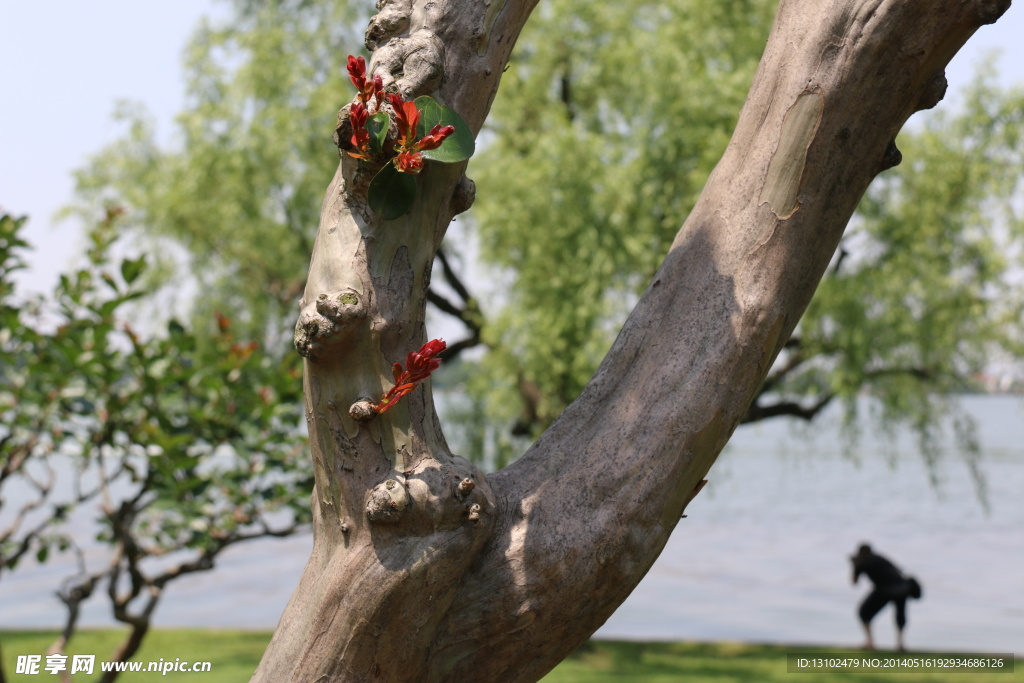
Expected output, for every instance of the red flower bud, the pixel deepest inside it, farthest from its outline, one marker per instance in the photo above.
(419, 365)
(435, 137)
(409, 162)
(407, 116)
(378, 90)
(358, 115)
(412, 118)
(357, 72)
(368, 89)
(433, 348)
(361, 141)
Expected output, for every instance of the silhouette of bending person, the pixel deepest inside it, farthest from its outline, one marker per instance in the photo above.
(890, 586)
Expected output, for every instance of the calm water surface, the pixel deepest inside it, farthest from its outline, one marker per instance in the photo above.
(761, 556)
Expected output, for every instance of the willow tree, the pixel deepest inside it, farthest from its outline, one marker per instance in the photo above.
(425, 569)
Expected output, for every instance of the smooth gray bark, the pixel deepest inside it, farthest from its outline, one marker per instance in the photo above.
(429, 592)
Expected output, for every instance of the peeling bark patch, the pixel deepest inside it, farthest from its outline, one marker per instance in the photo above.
(323, 486)
(402, 459)
(400, 279)
(331, 491)
(484, 38)
(786, 168)
(342, 439)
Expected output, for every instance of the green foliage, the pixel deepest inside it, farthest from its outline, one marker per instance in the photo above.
(600, 140)
(391, 193)
(242, 184)
(154, 408)
(925, 293)
(607, 124)
(393, 190)
(193, 447)
(221, 438)
(56, 361)
(459, 146)
(605, 129)
(600, 150)
(378, 125)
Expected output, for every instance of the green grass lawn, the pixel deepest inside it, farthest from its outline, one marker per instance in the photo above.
(234, 655)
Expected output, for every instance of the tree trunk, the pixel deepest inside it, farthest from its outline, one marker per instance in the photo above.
(421, 589)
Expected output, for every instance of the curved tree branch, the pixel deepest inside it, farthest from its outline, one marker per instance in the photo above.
(425, 570)
(468, 319)
(758, 412)
(593, 502)
(453, 280)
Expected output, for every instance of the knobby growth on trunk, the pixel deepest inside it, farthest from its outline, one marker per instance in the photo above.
(425, 569)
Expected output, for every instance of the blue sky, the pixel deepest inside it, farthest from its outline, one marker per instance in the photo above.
(64, 64)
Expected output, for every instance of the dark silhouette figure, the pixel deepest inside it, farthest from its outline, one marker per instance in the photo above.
(890, 586)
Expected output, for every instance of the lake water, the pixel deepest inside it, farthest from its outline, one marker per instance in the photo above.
(761, 556)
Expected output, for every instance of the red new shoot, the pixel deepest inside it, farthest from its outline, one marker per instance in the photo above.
(425, 130)
(367, 88)
(360, 136)
(418, 366)
(407, 116)
(359, 112)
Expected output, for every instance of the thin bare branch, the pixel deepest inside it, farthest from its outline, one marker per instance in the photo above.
(453, 280)
(758, 412)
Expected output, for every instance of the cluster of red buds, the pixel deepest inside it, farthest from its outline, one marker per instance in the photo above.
(407, 116)
(418, 366)
(360, 136)
(368, 89)
(409, 159)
